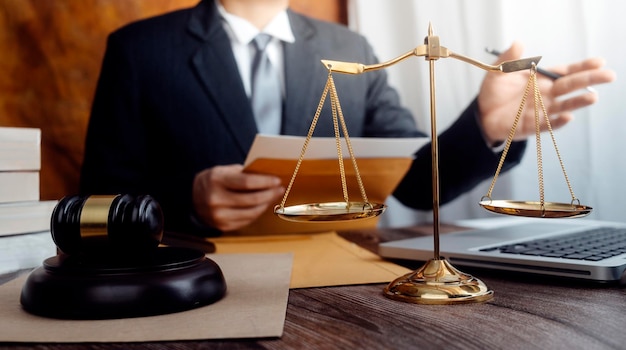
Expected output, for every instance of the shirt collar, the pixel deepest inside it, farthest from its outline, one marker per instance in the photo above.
(243, 31)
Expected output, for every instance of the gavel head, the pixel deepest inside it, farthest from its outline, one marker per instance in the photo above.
(117, 224)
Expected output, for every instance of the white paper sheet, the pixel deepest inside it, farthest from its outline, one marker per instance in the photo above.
(290, 147)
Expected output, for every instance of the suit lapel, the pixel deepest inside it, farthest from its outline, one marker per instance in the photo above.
(215, 66)
(303, 70)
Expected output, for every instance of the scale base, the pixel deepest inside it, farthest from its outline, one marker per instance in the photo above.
(171, 279)
(438, 282)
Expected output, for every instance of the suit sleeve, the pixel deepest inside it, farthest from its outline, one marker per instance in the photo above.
(115, 158)
(465, 160)
(124, 149)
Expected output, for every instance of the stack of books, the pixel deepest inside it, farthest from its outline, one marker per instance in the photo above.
(25, 239)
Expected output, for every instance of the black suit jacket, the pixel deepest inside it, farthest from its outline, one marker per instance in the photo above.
(170, 103)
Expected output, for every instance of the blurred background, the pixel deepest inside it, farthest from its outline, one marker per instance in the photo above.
(51, 52)
(561, 31)
(50, 56)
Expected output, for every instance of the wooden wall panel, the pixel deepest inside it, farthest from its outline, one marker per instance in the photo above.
(328, 10)
(50, 56)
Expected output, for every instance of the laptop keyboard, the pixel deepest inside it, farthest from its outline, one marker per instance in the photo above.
(594, 245)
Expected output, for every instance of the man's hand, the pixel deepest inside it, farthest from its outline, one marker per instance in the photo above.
(228, 199)
(501, 94)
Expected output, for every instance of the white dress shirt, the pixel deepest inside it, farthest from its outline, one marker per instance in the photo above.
(241, 32)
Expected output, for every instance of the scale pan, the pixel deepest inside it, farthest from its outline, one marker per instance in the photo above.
(534, 209)
(331, 211)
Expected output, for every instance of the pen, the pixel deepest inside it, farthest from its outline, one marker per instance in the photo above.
(547, 73)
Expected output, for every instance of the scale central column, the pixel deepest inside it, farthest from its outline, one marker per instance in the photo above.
(437, 281)
(435, 159)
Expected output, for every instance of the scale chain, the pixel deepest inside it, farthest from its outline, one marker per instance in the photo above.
(342, 170)
(337, 115)
(344, 128)
(305, 145)
(556, 148)
(509, 139)
(539, 105)
(537, 96)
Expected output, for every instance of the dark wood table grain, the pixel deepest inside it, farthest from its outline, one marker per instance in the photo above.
(526, 313)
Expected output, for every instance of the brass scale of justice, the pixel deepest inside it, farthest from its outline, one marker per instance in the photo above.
(437, 281)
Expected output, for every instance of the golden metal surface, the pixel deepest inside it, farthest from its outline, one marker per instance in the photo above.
(536, 209)
(433, 43)
(438, 282)
(94, 216)
(540, 209)
(330, 211)
(358, 68)
(431, 50)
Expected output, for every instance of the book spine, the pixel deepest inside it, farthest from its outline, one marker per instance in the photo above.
(25, 217)
(19, 186)
(20, 149)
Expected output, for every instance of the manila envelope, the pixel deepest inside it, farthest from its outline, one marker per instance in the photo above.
(319, 181)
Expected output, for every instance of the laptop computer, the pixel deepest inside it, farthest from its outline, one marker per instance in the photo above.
(572, 248)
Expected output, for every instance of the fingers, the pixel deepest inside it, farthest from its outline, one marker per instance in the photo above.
(580, 75)
(573, 103)
(577, 82)
(233, 188)
(229, 211)
(227, 198)
(500, 94)
(581, 80)
(581, 66)
(230, 219)
(233, 178)
(528, 127)
(558, 121)
(247, 199)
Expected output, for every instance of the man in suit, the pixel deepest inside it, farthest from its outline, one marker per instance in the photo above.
(172, 118)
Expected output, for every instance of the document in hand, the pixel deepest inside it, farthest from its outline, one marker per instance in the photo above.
(382, 163)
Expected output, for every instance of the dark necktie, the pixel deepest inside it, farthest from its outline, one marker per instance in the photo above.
(266, 97)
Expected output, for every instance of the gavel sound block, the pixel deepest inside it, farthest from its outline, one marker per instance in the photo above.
(110, 264)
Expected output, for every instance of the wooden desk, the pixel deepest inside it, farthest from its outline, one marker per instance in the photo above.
(525, 313)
